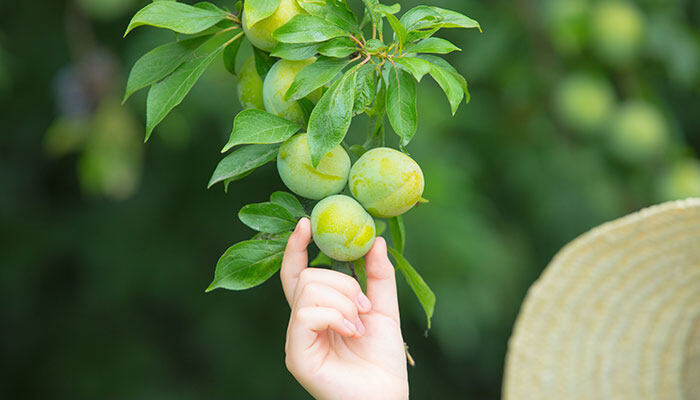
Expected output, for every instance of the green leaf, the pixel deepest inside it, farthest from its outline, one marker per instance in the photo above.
(267, 217)
(401, 104)
(159, 63)
(289, 202)
(379, 104)
(380, 226)
(208, 6)
(428, 17)
(307, 29)
(452, 83)
(257, 10)
(263, 62)
(338, 13)
(392, 9)
(307, 107)
(398, 233)
(295, 51)
(330, 120)
(315, 75)
(248, 264)
(371, 9)
(426, 297)
(230, 53)
(168, 93)
(320, 260)
(313, 7)
(432, 45)
(338, 47)
(259, 127)
(243, 161)
(374, 45)
(398, 28)
(365, 88)
(416, 66)
(178, 17)
(361, 273)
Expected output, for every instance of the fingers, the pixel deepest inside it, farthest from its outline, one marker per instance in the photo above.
(307, 322)
(336, 280)
(318, 295)
(295, 257)
(381, 280)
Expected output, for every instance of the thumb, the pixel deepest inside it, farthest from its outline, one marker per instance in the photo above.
(381, 280)
(295, 257)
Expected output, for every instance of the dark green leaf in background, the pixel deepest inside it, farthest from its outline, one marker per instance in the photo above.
(290, 202)
(331, 118)
(248, 264)
(307, 29)
(263, 62)
(315, 75)
(398, 28)
(259, 127)
(321, 260)
(243, 161)
(295, 51)
(178, 17)
(426, 297)
(230, 53)
(401, 104)
(267, 217)
(160, 62)
(257, 10)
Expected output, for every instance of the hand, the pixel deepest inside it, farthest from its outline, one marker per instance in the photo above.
(342, 344)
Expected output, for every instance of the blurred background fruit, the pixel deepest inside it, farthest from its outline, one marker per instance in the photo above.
(102, 295)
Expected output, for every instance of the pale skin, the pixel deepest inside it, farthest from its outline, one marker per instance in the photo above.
(341, 343)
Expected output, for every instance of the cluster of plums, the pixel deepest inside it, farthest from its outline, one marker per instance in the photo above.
(384, 183)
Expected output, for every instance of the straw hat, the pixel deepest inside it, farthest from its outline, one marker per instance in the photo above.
(616, 315)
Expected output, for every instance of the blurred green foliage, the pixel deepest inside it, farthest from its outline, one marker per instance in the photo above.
(577, 116)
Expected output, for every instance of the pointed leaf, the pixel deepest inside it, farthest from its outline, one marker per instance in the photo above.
(416, 66)
(330, 120)
(447, 68)
(365, 88)
(160, 62)
(267, 217)
(426, 297)
(401, 104)
(260, 127)
(288, 201)
(307, 29)
(263, 62)
(230, 54)
(398, 28)
(432, 45)
(243, 161)
(321, 260)
(295, 51)
(338, 47)
(257, 10)
(248, 264)
(398, 233)
(178, 17)
(315, 75)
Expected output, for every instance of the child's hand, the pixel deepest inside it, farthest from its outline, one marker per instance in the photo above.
(342, 344)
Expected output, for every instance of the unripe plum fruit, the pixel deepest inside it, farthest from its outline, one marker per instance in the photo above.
(341, 228)
(639, 132)
(298, 174)
(260, 34)
(277, 82)
(617, 30)
(250, 86)
(386, 182)
(584, 102)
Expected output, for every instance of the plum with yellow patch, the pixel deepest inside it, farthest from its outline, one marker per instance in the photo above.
(298, 174)
(250, 86)
(386, 182)
(277, 82)
(260, 34)
(341, 228)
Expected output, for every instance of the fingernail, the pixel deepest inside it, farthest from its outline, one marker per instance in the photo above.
(350, 326)
(359, 326)
(363, 302)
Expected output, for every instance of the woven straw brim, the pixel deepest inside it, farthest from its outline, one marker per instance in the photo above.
(616, 314)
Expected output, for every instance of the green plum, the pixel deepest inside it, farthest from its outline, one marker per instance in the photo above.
(386, 182)
(584, 102)
(298, 174)
(277, 82)
(639, 132)
(250, 86)
(260, 34)
(617, 30)
(341, 228)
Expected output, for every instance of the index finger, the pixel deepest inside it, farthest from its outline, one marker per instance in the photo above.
(295, 258)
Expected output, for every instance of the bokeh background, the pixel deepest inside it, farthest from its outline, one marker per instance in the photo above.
(582, 111)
